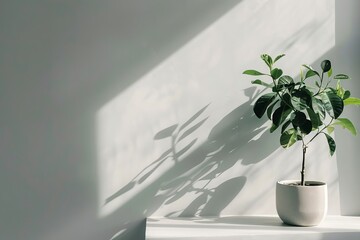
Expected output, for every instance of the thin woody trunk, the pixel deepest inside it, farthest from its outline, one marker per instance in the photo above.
(303, 167)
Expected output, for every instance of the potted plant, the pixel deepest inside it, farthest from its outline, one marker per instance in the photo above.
(303, 110)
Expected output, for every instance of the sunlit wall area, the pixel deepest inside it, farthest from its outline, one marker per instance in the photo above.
(182, 140)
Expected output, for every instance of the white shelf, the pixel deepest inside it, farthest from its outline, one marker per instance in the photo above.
(249, 227)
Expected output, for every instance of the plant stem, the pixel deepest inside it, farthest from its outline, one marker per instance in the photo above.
(321, 82)
(304, 145)
(303, 166)
(320, 131)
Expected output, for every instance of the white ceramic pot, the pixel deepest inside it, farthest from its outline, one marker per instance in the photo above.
(301, 205)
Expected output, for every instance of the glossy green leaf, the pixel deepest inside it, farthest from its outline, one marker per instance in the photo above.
(308, 67)
(341, 76)
(305, 126)
(276, 73)
(277, 88)
(267, 59)
(340, 91)
(259, 82)
(285, 80)
(278, 57)
(314, 118)
(285, 125)
(301, 99)
(288, 138)
(279, 116)
(329, 73)
(334, 105)
(330, 129)
(326, 66)
(286, 100)
(310, 73)
(352, 101)
(346, 95)
(262, 103)
(318, 107)
(269, 111)
(347, 124)
(301, 75)
(299, 118)
(301, 122)
(253, 73)
(331, 143)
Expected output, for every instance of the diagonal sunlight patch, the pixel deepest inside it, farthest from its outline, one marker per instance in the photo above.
(183, 139)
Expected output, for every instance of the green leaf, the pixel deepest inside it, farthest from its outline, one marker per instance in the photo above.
(341, 76)
(306, 126)
(285, 125)
(311, 73)
(276, 73)
(301, 99)
(340, 91)
(278, 57)
(314, 118)
(329, 72)
(253, 73)
(352, 101)
(318, 107)
(347, 124)
(285, 80)
(330, 129)
(308, 67)
(277, 88)
(326, 66)
(270, 109)
(286, 100)
(334, 105)
(262, 103)
(331, 143)
(279, 116)
(300, 121)
(267, 59)
(288, 138)
(346, 95)
(259, 82)
(299, 118)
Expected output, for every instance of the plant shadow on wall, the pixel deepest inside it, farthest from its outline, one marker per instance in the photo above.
(197, 172)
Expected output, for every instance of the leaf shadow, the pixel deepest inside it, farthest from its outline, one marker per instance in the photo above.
(192, 176)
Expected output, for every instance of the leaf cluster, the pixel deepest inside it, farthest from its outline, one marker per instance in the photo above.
(303, 106)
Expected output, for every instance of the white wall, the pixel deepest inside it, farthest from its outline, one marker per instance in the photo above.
(60, 62)
(86, 87)
(346, 56)
(225, 169)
